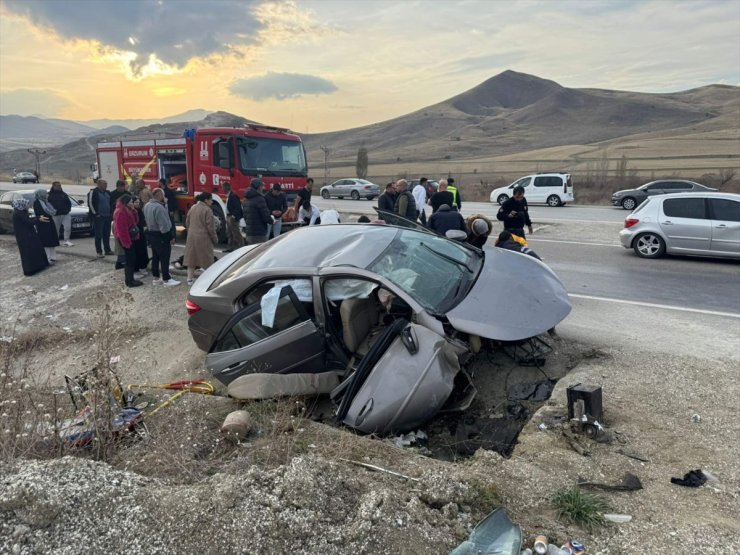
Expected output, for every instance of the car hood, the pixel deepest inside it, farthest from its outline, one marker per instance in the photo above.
(625, 191)
(515, 297)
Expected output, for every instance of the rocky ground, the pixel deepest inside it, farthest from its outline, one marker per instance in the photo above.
(292, 486)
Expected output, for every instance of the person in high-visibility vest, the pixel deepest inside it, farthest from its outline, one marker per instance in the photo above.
(455, 193)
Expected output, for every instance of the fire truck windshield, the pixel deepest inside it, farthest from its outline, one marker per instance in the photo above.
(278, 157)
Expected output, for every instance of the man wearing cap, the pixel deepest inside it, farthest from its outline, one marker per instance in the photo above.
(277, 205)
(256, 214)
(234, 215)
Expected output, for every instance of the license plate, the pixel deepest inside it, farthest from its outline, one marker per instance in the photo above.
(77, 226)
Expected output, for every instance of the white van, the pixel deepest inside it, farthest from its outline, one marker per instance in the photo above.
(553, 189)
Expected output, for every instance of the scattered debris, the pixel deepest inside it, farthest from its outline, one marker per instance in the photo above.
(696, 418)
(632, 455)
(411, 439)
(494, 534)
(540, 391)
(379, 469)
(64, 287)
(542, 426)
(115, 359)
(237, 425)
(630, 482)
(692, 479)
(618, 519)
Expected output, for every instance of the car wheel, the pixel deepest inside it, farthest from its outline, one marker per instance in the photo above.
(221, 233)
(325, 194)
(370, 198)
(502, 199)
(649, 245)
(553, 200)
(628, 203)
(355, 195)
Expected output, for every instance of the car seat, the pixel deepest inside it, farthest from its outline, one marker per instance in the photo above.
(359, 317)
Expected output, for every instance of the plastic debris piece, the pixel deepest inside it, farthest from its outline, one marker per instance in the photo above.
(619, 519)
(696, 418)
(64, 287)
(542, 426)
(495, 534)
(115, 359)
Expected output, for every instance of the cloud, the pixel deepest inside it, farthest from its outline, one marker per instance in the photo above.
(29, 102)
(171, 32)
(281, 86)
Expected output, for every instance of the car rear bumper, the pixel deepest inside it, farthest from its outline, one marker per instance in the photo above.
(626, 236)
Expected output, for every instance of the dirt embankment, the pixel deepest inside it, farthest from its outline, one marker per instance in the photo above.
(291, 487)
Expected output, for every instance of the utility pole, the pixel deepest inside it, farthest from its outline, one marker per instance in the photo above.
(37, 155)
(327, 152)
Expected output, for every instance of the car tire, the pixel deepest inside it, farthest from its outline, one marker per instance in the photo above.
(628, 203)
(355, 195)
(553, 200)
(502, 198)
(370, 198)
(325, 194)
(649, 245)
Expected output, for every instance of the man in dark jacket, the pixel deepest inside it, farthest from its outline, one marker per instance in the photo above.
(170, 198)
(405, 204)
(256, 215)
(98, 203)
(277, 204)
(118, 193)
(387, 200)
(515, 213)
(234, 214)
(442, 196)
(446, 219)
(61, 203)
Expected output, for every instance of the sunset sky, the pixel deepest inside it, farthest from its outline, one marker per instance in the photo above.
(324, 65)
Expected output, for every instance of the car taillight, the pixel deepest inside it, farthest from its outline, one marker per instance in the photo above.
(191, 307)
(367, 187)
(629, 222)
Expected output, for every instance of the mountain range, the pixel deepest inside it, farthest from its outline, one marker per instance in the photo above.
(510, 124)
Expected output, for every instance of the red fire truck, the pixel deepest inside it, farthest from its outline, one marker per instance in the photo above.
(203, 159)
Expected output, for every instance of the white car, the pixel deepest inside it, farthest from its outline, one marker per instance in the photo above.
(553, 189)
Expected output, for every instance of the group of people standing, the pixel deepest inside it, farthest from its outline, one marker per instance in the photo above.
(446, 204)
(38, 238)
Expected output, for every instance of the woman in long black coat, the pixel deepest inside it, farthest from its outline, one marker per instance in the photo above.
(48, 233)
(33, 257)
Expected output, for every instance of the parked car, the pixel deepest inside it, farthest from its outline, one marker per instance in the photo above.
(553, 189)
(629, 199)
(81, 222)
(25, 177)
(353, 188)
(699, 224)
(321, 297)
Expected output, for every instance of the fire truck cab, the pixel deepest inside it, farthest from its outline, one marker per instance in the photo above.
(204, 159)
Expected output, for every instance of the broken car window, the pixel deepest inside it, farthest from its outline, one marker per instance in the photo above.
(438, 279)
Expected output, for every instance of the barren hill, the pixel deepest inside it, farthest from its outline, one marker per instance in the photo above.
(509, 125)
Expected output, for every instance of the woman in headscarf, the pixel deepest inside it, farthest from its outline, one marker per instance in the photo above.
(33, 257)
(48, 233)
(201, 236)
(126, 231)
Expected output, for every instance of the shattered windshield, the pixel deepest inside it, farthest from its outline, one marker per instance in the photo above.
(435, 271)
(279, 157)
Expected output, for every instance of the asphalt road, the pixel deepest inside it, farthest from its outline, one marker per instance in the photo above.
(612, 272)
(568, 213)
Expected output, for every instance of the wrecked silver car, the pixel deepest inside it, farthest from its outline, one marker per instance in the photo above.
(384, 310)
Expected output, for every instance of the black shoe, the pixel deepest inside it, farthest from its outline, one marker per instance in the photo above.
(120, 265)
(108, 253)
(135, 283)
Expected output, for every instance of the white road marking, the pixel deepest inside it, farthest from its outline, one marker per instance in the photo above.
(654, 305)
(533, 238)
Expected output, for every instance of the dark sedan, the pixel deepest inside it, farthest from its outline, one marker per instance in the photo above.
(629, 199)
(81, 223)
